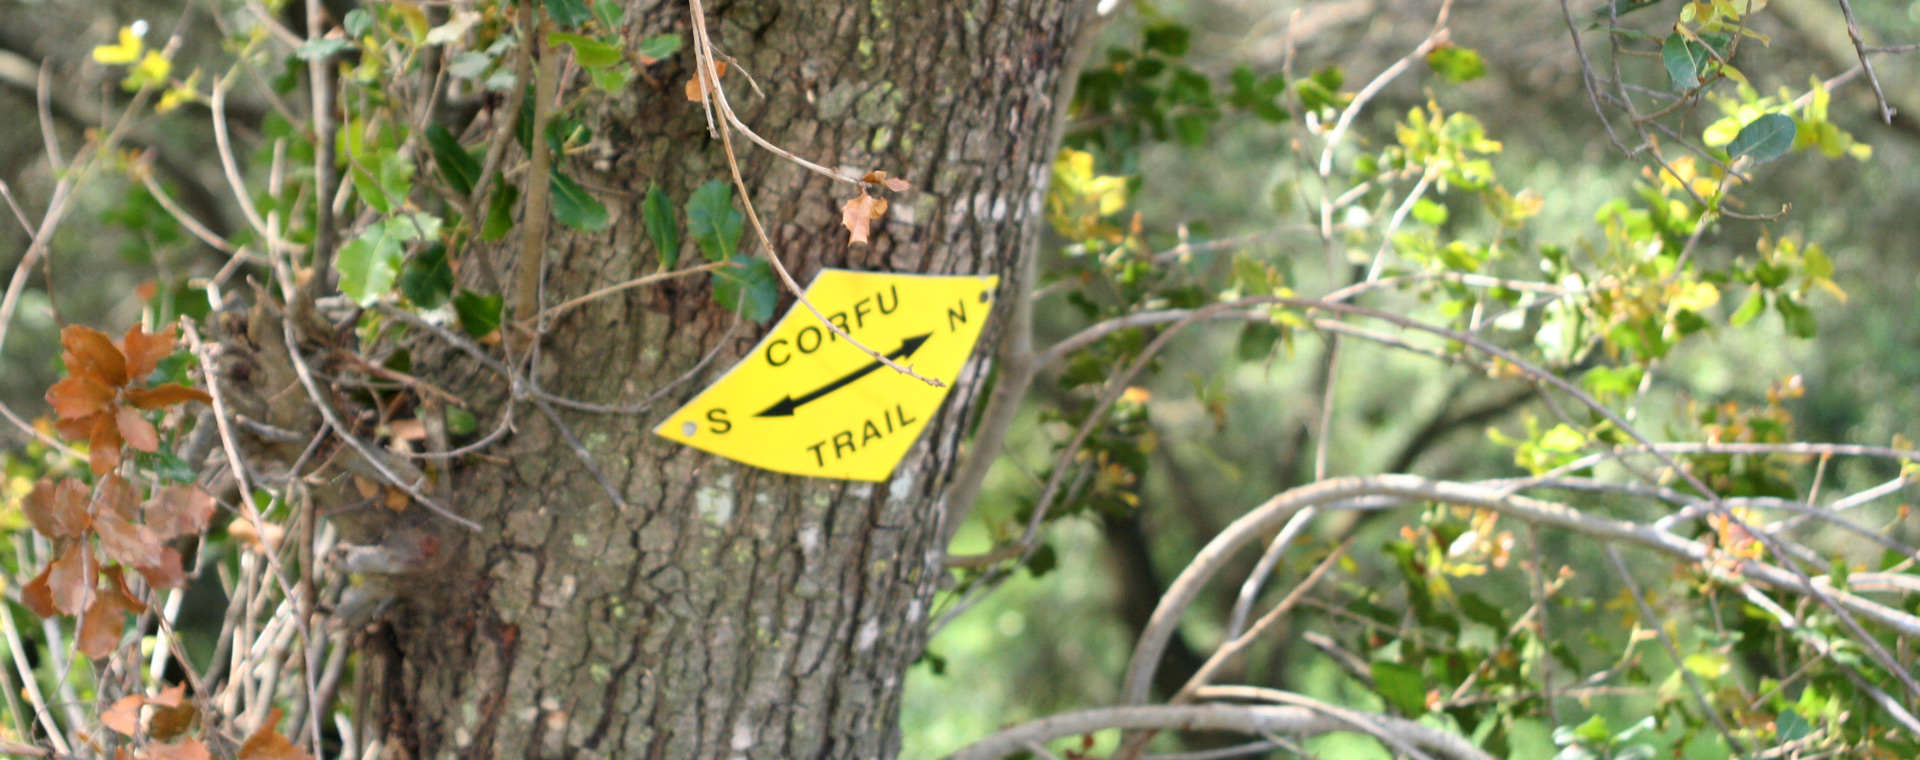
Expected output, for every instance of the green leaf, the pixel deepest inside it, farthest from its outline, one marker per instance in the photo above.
(608, 13)
(1685, 60)
(746, 286)
(357, 22)
(457, 166)
(1433, 214)
(369, 263)
(1799, 319)
(713, 222)
(1168, 38)
(479, 313)
(590, 52)
(1791, 726)
(1401, 686)
(574, 207)
(320, 49)
(1765, 138)
(1707, 665)
(500, 209)
(461, 422)
(427, 280)
(1457, 64)
(568, 13)
(659, 47)
(662, 226)
(611, 79)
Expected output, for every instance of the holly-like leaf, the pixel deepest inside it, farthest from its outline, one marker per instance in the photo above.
(591, 53)
(369, 264)
(500, 209)
(662, 227)
(178, 510)
(713, 222)
(124, 715)
(747, 286)
(457, 166)
(1765, 139)
(658, 47)
(858, 213)
(479, 313)
(268, 744)
(427, 280)
(574, 207)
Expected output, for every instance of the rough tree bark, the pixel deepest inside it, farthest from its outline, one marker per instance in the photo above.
(727, 612)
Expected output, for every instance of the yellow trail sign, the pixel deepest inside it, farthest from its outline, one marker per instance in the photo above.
(807, 403)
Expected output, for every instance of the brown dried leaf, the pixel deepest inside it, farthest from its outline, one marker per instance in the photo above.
(70, 578)
(79, 397)
(137, 430)
(243, 531)
(90, 352)
(268, 744)
(190, 749)
(698, 87)
(133, 544)
(124, 715)
(858, 215)
(409, 430)
(144, 351)
(100, 629)
(166, 395)
(117, 592)
(395, 499)
(179, 510)
(58, 510)
(167, 573)
(118, 496)
(38, 596)
(103, 445)
(170, 696)
(880, 177)
(169, 722)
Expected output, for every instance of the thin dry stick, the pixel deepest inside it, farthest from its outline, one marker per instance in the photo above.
(556, 311)
(717, 99)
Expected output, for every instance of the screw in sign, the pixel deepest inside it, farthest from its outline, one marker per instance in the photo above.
(807, 403)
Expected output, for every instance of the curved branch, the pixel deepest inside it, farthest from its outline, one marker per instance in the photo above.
(1253, 720)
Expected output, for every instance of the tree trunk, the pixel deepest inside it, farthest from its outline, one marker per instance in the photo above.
(727, 611)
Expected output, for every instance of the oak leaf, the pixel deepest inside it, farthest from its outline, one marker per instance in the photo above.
(179, 510)
(268, 744)
(58, 510)
(133, 544)
(858, 213)
(124, 715)
(698, 87)
(167, 573)
(37, 595)
(100, 629)
(71, 578)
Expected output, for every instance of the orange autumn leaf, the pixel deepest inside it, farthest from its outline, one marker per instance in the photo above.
(124, 715)
(137, 430)
(880, 177)
(37, 595)
(100, 629)
(190, 749)
(170, 696)
(90, 353)
(58, 510)
(167, 573)
(79, 397)
(698, 87)
(166, 395)
(70, 578)
(169, 722)
(136, 545)
(144, 351)
(858, 215)
(268, 744)
(179, 510)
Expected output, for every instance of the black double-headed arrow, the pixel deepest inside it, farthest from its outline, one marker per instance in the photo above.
(786, 406)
